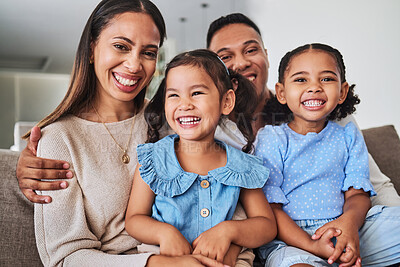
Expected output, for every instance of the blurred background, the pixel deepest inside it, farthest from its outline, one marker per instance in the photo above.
(38, 40)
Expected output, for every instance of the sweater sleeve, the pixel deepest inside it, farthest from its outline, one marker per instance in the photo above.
(63, 235)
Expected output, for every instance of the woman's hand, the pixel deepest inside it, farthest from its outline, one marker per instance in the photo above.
(173, 243)
(213, 243)
(31, 169)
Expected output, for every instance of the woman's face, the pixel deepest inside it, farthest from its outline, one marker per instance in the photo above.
(125, 56)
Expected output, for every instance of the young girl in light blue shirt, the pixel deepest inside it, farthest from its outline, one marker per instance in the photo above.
(319, 185)
(187, 185)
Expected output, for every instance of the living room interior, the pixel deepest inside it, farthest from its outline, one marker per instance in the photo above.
(37, 47)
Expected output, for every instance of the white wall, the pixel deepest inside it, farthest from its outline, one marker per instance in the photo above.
(366, 32)
(27, 97)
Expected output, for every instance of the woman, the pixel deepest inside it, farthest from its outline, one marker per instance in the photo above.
(96, 128)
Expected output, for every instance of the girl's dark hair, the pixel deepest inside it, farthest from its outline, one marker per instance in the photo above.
(82, 88)
(273, 107)
(246, 97)
(234, 18)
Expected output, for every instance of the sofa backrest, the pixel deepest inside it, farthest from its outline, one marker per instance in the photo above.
(17, 235)
(384, 146)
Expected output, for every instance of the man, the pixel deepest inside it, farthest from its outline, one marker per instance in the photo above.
(238, 42)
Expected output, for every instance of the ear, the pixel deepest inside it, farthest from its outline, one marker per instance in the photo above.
(267, 60)
(228, 102)
(343, 92)
(280, 93)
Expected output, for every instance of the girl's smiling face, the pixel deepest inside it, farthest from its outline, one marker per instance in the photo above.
(312, 89)
(125, 56)
(193, 105)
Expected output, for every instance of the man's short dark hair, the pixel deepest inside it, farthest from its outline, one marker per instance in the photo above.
(234, 18)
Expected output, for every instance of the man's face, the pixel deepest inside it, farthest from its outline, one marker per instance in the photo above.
(242, 50)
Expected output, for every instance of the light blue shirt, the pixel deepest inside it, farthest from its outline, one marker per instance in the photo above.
(194, 203)
(310, 173)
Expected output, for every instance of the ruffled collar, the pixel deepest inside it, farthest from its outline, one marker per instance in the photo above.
(162, 172)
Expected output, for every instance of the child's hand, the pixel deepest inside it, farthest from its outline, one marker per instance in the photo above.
(213, 243)
(323, 245)
(347, 249)
(231, 256)
(173, 243)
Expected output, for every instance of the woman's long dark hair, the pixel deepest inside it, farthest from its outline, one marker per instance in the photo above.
(82, 88)
(246, 97)
(274, 109)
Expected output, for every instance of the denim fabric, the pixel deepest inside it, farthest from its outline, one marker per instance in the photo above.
(194, 203)
(379, 241)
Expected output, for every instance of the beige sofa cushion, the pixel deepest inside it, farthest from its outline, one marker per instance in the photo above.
(17, 246)
(384, 145)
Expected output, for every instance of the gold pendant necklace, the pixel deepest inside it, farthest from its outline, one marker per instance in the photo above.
(125, 157)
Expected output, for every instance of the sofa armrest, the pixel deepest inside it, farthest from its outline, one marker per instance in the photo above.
(384, 146)
(18, 245)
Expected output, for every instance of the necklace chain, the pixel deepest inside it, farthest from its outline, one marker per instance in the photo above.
(125, 158)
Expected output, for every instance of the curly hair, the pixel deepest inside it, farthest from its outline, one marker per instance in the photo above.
(273, 107)
(246, 97)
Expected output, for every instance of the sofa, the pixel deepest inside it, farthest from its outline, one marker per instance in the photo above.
(18, 248)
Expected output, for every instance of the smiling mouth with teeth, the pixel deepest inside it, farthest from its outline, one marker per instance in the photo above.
(124, 81)
(251, 78)
(313, 103)
(189, 120)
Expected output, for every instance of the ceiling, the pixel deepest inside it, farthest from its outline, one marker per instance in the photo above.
(42, 35)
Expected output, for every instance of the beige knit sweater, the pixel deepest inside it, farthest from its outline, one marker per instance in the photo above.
(84, 225)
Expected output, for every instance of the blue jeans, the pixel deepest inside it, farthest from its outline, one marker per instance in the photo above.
(379, 242)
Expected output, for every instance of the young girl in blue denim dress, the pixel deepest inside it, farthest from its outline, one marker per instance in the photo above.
(319, 185)
(187, 185)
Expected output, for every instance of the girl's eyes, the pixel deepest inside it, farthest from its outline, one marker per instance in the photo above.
(326, 79)
(172, 95)
(197, 93)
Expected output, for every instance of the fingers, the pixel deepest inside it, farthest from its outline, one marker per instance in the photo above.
(336, 253)
(31, 173)
(29, 185)
(322, 230)
(208, 262)
(358, 262)
(34, 139)
(349, 258)
(30, 161)
(35, 198)
(195, 242)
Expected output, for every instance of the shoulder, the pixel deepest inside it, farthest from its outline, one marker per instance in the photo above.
(59, 129)
(56, 137)
(165, 144)
(272, 136)
(349, 129)
(243, 170)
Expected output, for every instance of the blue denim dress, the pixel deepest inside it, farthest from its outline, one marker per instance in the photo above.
(195, 203)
